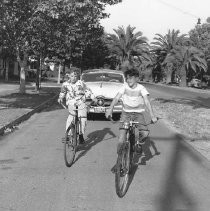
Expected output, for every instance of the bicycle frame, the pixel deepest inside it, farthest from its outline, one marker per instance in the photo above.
(71, 139)
(130, 131)
(77, 124)
(125, 158)
(76, 118)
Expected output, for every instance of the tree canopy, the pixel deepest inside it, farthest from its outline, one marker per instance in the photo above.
(60, 29)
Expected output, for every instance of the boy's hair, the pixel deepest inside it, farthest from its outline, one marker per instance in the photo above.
(131, 71)
(73, 70)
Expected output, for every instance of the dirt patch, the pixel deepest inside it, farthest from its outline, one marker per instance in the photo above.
(193, 123)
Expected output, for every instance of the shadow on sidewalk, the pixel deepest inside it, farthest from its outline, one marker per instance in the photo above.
(174, 189)
(146, 155)
(30, 99)
(93, 139)
(149, 151)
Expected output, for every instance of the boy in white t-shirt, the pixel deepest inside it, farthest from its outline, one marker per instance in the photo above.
(134, 97)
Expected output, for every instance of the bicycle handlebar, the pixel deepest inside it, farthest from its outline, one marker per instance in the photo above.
(133, 122)
(63, 105)
(75, 109)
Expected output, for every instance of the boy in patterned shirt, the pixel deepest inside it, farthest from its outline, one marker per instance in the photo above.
(134, 97)
(75, 91)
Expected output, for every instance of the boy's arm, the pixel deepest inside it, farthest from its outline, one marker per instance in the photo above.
(62, 93)
(114, 102)
(149, 107)
(89, 93)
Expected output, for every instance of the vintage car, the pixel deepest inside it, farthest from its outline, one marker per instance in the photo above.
(197, 83)
(105, 84)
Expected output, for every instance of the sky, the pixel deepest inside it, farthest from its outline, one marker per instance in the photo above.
(156, 16)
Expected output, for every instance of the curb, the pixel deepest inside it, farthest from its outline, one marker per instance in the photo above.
(182, 138)
(186, 141)
(27, 115)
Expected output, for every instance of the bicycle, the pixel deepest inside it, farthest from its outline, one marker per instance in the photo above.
(125, 159)
(71, 139)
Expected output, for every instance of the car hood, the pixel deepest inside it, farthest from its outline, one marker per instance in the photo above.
(106, 89)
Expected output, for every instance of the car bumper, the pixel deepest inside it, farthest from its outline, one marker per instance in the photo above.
(101, 109)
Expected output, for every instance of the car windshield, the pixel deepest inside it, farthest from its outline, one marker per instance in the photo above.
(108, 77)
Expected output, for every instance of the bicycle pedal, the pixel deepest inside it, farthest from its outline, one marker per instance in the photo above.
(138, 148)
(123, 172)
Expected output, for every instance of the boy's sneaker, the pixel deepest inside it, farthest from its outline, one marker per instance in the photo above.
(139, 145)
(81, 139)
(141, 142)
(138, 148)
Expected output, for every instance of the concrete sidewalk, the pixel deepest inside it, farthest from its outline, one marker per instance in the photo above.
(16, 107)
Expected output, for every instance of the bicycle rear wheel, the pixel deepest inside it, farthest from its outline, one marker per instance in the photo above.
(122, 171)
(70, 146)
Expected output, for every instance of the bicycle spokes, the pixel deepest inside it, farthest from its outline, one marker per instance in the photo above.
(122, 171)
(70, 147)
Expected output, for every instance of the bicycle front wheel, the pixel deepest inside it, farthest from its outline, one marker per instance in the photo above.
(70, 145)
(122, 171)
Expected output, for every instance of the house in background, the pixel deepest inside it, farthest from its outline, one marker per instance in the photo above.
(13, 69)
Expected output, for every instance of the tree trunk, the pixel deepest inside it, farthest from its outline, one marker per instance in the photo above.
(7, 71)
(168, 76)
(22, 80)
(64, 71)
(183, 82)
(22, 64)
(125, 65)
(148, 75)
(37, 79)
(169, 71)
(38, 75)
(59, 74)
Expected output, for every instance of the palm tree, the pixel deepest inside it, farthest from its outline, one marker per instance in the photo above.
(126, 44)
(188, 59)
(169, 41)
(163, 45)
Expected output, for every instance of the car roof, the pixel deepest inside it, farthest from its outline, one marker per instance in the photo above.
(102, 71)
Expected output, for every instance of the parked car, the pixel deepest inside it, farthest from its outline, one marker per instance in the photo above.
(105, 84)
(197, 83)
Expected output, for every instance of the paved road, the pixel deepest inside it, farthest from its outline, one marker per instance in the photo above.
(33, 175)
(186, 96)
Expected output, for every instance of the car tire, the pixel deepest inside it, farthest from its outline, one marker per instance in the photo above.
(90, 116)
(116, 117)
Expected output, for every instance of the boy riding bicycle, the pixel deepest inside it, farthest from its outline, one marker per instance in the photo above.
(75, 91)
(134, 97)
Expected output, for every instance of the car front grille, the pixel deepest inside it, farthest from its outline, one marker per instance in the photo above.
(101, 102)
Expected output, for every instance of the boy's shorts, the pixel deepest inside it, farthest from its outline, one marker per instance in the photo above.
(134, 116)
